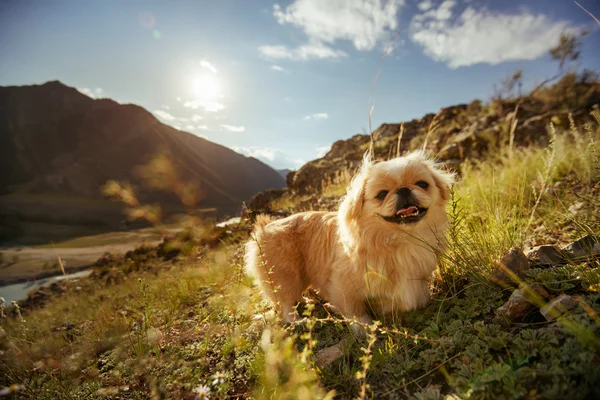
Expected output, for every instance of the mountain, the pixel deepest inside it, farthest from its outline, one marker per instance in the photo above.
(58, 146)
(284, 172)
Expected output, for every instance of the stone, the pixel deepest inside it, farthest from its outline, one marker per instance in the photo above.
(546, 255)
(521, 302)
(329, 354)
(558, 306)
(513, 261)
(586, 247)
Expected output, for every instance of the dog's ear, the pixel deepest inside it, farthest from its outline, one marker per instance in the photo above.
(443, 179)
(355, 193)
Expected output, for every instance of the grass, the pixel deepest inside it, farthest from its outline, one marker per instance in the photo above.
(151, 326)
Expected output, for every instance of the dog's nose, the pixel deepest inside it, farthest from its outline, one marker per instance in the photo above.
(405, 192)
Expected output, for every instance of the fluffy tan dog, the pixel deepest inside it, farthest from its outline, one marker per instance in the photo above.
(381, 246)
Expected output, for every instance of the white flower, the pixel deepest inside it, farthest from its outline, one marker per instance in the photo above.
(11, 389)
(219, 377)
(202, 392)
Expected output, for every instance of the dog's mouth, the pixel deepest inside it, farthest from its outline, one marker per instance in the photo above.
(409, 214)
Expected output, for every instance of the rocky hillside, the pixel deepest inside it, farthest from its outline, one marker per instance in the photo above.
(454, 134)
(56, 142)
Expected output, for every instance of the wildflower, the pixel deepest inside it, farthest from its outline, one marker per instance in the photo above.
(219, 377)
(14, 388)
(202, 392)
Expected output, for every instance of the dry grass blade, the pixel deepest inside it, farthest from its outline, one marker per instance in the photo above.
(589, 13)
(400, 134)
(433, 125)
(373, 86)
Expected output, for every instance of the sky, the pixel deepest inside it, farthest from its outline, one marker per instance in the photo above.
(283, 80)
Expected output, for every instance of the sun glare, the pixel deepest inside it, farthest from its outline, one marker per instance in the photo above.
(206, 87)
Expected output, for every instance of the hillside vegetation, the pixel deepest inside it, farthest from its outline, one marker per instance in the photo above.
(183, 320)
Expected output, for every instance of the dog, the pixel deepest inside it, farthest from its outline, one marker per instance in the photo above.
(380, 247)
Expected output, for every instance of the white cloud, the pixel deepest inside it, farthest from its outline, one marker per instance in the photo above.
(425, 5)
(305, 52)
(202, 128)
(233, 128)
(196, 118)
(208, 66)
(166, 107)
(322, 150)
(190, 127)
(363, 22)
(90, 93)
(278, 68)
(165, 116)
(481, 36)
(207, 105)
(317, 116)
(274, 157)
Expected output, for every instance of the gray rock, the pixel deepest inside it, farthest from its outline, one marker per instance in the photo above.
(558, 306)
(329, 354)
(521, 302)
(587, 246)
(513, 261)
(546, 255)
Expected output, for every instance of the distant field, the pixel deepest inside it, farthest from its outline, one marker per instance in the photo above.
(28, 262)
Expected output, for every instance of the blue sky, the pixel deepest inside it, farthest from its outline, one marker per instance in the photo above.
(283, 80)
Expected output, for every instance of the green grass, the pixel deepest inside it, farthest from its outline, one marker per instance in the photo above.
(145, 327)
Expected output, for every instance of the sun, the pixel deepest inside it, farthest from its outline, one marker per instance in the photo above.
(206, 87)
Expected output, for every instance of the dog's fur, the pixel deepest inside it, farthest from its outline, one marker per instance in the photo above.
(355, 254)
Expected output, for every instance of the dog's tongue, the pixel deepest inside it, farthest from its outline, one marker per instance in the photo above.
(407, 210)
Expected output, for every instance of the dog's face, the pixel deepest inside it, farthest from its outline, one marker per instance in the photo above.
(402, 193)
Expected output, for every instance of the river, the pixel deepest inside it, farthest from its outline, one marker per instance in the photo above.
(18, 291)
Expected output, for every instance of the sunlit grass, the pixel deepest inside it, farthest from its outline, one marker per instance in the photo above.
(148, 327)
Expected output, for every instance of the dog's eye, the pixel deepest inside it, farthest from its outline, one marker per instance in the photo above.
(381, 195)
(422, 184)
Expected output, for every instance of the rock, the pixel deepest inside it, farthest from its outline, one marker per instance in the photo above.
(289, 178)
(558, 306)
(329, 354)
(262, 201)
(521, 302)
(513, 262)
(546, 255)
(586, 247)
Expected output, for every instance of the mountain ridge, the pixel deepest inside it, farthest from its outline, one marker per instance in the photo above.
(55, 140)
